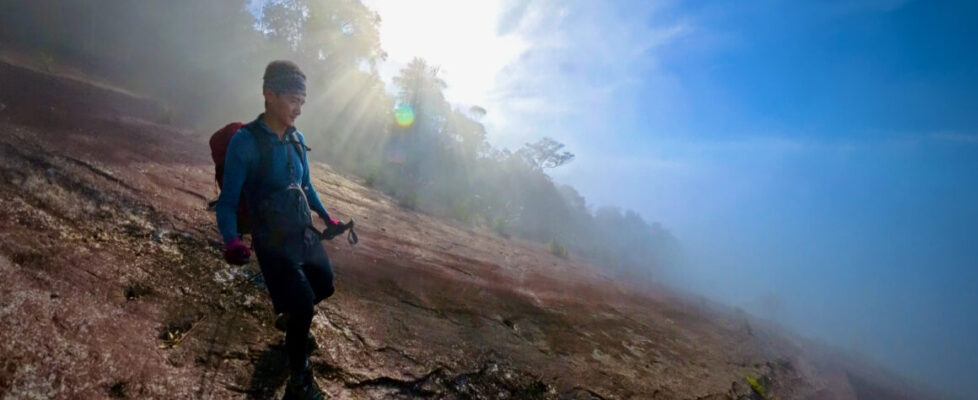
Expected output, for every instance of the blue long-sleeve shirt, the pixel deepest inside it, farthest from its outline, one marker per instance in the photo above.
(243, 162)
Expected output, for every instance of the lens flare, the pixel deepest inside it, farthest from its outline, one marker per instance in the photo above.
(404, 115)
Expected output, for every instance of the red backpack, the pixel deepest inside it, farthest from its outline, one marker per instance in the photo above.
(219, 150)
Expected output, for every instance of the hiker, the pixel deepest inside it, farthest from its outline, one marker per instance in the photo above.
(266, 162)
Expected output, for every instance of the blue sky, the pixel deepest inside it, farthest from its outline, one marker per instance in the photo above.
(818, 159)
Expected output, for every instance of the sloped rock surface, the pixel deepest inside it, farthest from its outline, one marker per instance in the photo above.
(114, 287)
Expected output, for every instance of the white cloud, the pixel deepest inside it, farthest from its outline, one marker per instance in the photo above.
(583, 60)
(535, 65)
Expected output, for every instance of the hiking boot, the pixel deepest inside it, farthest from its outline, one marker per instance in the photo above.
(311, 344)
(282, 322)
(303, 388)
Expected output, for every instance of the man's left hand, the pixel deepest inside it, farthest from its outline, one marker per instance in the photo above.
(330, 222)
(333, 228)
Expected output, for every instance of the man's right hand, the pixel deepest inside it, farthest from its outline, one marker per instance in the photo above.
(235, 252)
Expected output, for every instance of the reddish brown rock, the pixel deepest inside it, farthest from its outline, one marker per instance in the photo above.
(114, 287)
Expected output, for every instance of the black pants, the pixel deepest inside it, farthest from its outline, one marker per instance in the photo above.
(298, 276)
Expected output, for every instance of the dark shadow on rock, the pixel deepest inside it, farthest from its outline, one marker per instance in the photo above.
(271, 371)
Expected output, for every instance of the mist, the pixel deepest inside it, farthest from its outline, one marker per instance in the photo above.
(819, 167)
(843, 245)
(841, 208)
(203, 61)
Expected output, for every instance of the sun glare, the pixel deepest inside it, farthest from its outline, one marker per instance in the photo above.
(459, 37)
(404, 115)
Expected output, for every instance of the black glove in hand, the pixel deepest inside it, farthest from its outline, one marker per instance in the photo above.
(333, 228)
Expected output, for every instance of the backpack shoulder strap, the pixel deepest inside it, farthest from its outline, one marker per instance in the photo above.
(264, 148)
(300, 148)
(264, 159)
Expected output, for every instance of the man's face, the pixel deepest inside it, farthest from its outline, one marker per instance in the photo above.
(285, 107)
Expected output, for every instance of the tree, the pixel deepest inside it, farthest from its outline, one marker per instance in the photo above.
(420, 87)
(204, 58)
(545, 153)
(469, 134)
(342, 34)
(284, 20)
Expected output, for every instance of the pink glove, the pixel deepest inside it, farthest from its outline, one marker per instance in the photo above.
(330, 222)
(235, 252)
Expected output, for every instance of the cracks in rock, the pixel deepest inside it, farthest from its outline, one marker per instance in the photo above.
(347, 333)
(193, 193)
(57, 175)
(100, 172)
(491, 380)
(415, 387)
(398, 352)
(418, 306)
(590, 392)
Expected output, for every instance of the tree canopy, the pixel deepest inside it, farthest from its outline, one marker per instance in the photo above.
(204, 59)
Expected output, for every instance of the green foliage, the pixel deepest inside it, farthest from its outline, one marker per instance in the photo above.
(557, 249)
(500, 226)
(461, 211)
(758, 386)
(205, 59)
